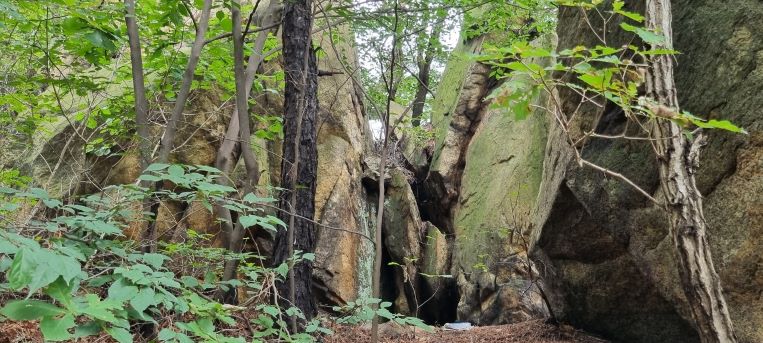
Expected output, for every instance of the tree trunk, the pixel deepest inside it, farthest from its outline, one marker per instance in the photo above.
(231, 149)
(299, 166)
(678, 158)
(424, 61)
(141, 104)
(168, 139)
(147, 329)
(421, 92)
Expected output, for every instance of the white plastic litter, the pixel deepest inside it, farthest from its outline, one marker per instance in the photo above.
(463, 326)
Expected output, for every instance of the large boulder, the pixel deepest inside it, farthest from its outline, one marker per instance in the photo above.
(610, 262)
(482, 185)
(344, 258)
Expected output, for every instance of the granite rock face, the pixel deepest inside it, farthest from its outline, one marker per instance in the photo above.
(611, 267)
(482, 185)
(601, 249)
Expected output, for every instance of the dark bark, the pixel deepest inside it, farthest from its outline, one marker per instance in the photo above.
(424, 61)
(421, 92)
(678, 158)
(300, 109)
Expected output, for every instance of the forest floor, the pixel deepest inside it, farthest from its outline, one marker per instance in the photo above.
(535, 331)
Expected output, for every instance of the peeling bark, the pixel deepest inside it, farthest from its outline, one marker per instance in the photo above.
(678, 158)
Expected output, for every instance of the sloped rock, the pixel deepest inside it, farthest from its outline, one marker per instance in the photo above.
(600, 229)
(402, 232)
(344, 260)
(486, 174)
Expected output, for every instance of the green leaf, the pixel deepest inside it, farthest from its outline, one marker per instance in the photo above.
(157, 167)
(659, 52)
(531, 68)
(52, 203)
(102, 228)
(271, 310)
(226, 24)
(155, 260)
(143, 299)
(249, 221)
(647, 36)
(214, 188)
(718, 124)
(120, 334)
(149, 178)
(29, 309)
(208, 169)
(57, 329)
(189, 281)
(98, 309)
(176, 170)
(617, 6)
(122, 290)
(100, 39)
(87, 329)
(596, 80)
(60, 291)
(35, 268)
(166, 334)
(253, 198)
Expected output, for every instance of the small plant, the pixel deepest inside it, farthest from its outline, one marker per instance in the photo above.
(361, 311)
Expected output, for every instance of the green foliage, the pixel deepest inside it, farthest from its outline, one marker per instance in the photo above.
(511, 21)
(598, 74)
(362, 311)
(13, 178)
(66, 63)
(80, 279)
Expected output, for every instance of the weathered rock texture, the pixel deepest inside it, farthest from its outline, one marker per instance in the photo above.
(608, 254)
(481, 188)
(345, 260)
(603, 250)
(498, 187)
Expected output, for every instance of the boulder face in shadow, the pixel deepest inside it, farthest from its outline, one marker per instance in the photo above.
(609, 259)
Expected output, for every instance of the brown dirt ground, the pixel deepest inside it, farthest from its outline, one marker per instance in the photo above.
(535, 331)
(528, 332)
(19, 332)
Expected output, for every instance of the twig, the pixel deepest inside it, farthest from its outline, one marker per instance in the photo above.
(624, 179)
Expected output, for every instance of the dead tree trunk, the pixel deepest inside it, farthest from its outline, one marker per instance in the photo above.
(300, 157)
(677, 158)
